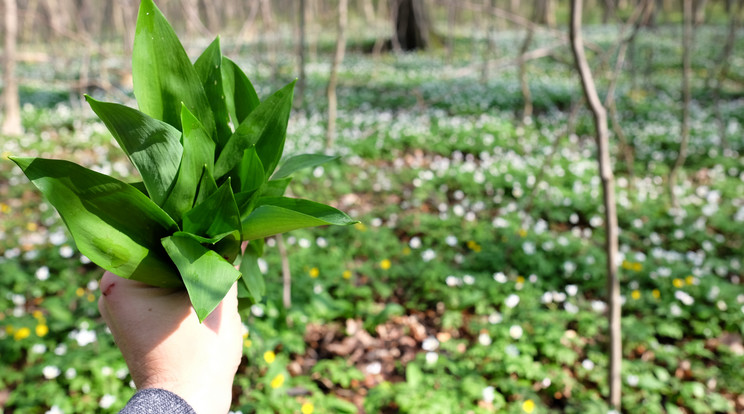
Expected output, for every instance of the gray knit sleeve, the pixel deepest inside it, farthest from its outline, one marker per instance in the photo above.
(156, 401)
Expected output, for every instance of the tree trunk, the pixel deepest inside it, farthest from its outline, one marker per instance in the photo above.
(720, 73)
(411, 25)
(490, 45)
(685, 127)
(625, 148)
(700, 12)
(286, 273)
(11, 101)
(608, 187)
(545, 12)
(194, 25)
(524, 83)
(300, 92)
(451, 14)
(338, 57)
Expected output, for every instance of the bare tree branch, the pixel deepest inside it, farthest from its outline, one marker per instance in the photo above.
(608, 187)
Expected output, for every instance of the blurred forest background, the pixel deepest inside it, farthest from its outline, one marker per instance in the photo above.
(478, 280)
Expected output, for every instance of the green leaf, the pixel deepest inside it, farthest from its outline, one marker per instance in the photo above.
(198, 153)
(240, 96)
(113, 224)
(226, 244)
(301, 161)
(275, 215)
(265, 127)
(207, 186)
(162, 73)
(252, 281)
(153, 146)
(217, 214)
(276, 188)
(250, 171)
(208, 68)
(207, 276)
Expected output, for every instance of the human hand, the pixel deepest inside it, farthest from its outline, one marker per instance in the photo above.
(166, 347)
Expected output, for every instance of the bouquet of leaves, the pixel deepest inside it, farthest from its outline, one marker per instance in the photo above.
(206, 187)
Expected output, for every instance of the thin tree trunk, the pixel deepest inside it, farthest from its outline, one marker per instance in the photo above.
(28, 19)
(338, 57)
(685, 127)
(286, 273)
(451, 12)
(625, 148)
(194, 25)
(523, 81)
(11, 101)
(490, 45)
(608, 186)
(369, 12)
(300, 92)
(720, 73)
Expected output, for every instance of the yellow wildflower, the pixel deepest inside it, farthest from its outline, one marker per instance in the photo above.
(278, 381)
(637, 266)
(269, 357)
(520, 279)
(9, 329)
(346, 274)
(360, 226)
(4, 208)
(307, 408)
(247, 343)
(22, 333)
(385, 264)
(37, 314)
(678, 283)
(80, 292)
(690, 280)
(656, 293)
(41, 330)
(91, 297)
(626, 264)
(406, 251)
(528, 406)
(314, 272)
(31, 226)
(522, 233)
(636, 294)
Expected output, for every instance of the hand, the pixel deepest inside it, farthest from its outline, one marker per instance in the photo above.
(166, 347)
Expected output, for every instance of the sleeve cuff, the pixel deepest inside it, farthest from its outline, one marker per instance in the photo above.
(156, 401)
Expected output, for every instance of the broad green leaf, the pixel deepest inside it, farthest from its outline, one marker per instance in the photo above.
(140, 186)
(207, 276)
(208, 68)
(162, 73)
(240, 96)
(301, 161)
(250, 172)
(113, 223)
(265, 127)
(207, 186)
(275, 215)
(252, 281)
(276, 188)
(271, 145)
(216, 215)
(153, 146)
(226, 244)
(198, 152)
(245, 201)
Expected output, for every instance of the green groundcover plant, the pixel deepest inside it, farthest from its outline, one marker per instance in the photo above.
(207, 187)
